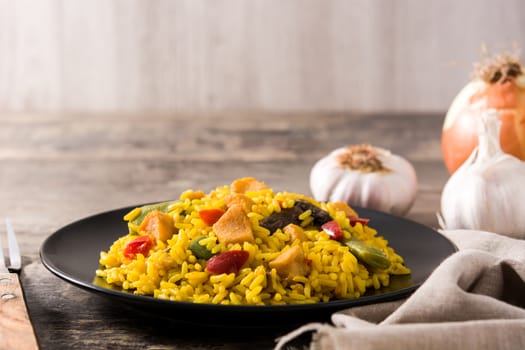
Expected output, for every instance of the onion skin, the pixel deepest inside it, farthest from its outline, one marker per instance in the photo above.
(459, 135)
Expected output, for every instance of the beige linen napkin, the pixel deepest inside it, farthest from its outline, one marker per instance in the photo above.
(475, 299)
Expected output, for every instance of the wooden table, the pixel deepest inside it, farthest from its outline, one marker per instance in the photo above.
(58, 168)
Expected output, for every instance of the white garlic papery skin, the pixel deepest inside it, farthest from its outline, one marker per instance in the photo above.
(487, 192)
(391, 189)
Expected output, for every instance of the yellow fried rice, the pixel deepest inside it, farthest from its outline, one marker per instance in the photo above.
(170, 270)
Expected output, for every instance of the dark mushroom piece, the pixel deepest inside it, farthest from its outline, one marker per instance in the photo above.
(291, 216)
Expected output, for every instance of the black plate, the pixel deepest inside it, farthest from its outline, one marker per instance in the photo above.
(72, 253)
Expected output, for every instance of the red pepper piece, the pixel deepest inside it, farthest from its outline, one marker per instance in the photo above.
(140, 245)
(355, 220)
(333, 229)
(227, 262)
(211, 216)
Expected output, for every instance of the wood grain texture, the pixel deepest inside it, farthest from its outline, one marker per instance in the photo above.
(376, 55)
(16, 331)
(57, 168)
(63, 166)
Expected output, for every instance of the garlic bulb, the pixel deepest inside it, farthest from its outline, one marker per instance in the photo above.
(366, 176)
(487, 192)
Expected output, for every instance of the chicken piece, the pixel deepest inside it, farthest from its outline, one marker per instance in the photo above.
(246, 184)
(291, 263)
(239, 199)
(343, 206)
(295, 232)
(158, 224)
(190, 194)
(234, 226)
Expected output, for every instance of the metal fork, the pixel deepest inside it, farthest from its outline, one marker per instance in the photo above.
(16, 331)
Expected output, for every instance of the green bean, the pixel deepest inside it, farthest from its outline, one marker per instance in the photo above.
(368, 254)
(200, 251)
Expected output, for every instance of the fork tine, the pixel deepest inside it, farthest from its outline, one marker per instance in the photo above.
(3, 267)
(14, 250)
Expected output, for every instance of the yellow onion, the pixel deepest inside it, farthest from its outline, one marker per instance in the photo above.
(498, 84)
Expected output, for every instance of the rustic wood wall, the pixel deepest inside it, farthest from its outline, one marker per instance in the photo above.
(364, 55)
